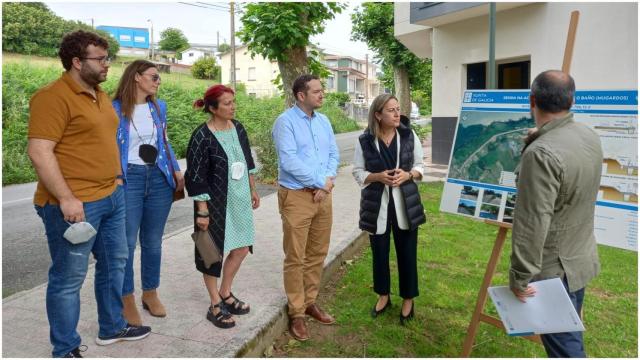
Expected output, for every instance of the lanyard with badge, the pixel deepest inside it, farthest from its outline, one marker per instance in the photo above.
(147, 152)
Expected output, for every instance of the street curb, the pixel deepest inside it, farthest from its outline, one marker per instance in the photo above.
(278, 324)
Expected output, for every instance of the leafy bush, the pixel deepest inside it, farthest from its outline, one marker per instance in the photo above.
(20, 80)
(206, 68)
(421, 131)
(422, 98)
(338, 98)
(31, 28)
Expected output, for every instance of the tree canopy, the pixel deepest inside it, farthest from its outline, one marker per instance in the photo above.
(224, 48)
(280, 31)
(373, 24)
(172, 39)
(33, 29)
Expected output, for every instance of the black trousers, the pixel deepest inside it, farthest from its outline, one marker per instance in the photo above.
(406, 243)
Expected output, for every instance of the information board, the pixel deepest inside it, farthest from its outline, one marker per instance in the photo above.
(489, 138)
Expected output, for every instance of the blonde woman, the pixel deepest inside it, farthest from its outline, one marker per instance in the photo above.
(387, 161)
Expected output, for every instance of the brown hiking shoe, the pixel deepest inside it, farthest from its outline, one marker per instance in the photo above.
(298, 329)
(151, 303)
(129, 310)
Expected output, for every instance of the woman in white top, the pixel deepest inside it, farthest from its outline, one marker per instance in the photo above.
(387, 160)
(150, 173)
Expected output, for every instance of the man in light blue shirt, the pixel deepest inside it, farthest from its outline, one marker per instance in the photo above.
(307, 166)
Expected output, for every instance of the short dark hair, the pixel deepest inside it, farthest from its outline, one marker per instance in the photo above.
(300, 84)
(553, 91)
(75, 45)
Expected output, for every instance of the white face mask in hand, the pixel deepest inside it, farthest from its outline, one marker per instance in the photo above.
(79, 233)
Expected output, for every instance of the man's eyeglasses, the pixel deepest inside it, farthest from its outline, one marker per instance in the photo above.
(103, 60)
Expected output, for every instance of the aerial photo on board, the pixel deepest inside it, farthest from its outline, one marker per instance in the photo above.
(488, 144)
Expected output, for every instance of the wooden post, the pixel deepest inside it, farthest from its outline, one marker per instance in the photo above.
(478, 313)
(571, 39)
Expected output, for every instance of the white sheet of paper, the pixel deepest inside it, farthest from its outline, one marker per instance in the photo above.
(549, 311)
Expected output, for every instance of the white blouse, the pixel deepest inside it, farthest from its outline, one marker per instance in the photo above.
(360, 174)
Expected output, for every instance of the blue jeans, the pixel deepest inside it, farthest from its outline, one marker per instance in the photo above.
(149, 198)
(569, 344)
(69, 265)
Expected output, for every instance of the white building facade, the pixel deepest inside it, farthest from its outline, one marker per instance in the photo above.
(530, 38)
(256, 74)
(192, 54)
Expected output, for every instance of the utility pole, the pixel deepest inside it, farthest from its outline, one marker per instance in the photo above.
(366, 79)
(218, 40)
(233, 46)
(151, 43)
(93, 27)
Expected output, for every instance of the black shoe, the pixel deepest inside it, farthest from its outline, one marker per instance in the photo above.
(221, 319)
(236, 307)
(375, 313)
(75, 353)
(404, 319)
(129, 333)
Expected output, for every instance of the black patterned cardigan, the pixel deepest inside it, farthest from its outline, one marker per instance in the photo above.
(207, 172)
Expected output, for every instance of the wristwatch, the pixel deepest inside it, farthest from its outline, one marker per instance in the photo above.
(202, 214)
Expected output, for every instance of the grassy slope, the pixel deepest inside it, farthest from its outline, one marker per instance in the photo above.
(23, 75)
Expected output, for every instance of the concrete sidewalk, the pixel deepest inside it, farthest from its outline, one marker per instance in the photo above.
(185, 332)
(432, 172)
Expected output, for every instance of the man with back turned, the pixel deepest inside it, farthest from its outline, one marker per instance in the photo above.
(557, 179)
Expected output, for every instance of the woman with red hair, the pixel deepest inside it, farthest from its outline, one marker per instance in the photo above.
(220, 179)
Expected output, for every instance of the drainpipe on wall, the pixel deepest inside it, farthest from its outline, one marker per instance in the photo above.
(492, 45)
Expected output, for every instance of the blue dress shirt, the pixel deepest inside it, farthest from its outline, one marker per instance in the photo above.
(307, 150)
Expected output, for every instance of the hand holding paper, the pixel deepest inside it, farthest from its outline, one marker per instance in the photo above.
(549, 311)
(530, 291)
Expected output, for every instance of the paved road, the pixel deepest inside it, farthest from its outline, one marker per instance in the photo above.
(25, 257)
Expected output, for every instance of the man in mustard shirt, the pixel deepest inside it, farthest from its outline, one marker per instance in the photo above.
(72, 145)
(558, 179)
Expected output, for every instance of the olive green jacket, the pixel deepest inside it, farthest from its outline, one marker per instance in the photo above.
(557, 179)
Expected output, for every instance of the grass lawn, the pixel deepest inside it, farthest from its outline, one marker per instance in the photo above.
(452, 255)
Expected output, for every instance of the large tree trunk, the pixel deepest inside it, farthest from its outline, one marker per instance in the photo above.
(295, 66)
(401, 82)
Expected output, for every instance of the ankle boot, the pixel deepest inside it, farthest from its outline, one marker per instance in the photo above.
(151, 303)
(129, 310)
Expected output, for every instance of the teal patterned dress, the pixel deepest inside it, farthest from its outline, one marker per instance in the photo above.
(239, 227)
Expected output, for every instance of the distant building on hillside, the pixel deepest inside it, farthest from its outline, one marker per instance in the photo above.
(133, 41)
(193, 54)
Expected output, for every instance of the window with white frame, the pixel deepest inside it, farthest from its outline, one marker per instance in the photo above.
(252, 74)
(330, 82)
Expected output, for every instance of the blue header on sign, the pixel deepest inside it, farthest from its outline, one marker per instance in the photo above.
(496, 97)
(583, 97)
(626, 97)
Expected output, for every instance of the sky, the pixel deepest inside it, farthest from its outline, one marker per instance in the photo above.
(200, 25)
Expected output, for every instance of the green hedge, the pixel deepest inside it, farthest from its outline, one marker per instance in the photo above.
(21, 79)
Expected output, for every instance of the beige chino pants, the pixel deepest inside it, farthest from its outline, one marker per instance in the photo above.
(307, 230)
